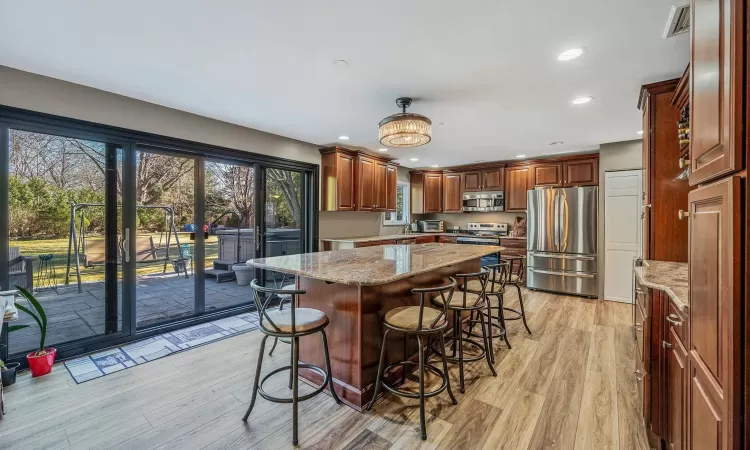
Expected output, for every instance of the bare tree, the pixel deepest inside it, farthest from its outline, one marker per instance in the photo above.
(284, 179)
(236, 184)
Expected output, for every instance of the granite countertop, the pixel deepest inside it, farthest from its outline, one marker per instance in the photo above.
(369, 266)
(670, 277)
(404, 236)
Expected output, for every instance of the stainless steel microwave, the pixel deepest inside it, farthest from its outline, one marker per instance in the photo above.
(484, 201)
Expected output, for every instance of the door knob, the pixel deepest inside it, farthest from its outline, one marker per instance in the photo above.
(683, 214)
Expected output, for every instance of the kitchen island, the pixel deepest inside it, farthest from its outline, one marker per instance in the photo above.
(355, 288)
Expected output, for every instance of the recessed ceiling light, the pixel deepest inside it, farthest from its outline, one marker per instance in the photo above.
(582, 100)
(344, 138)
(436, 165)
(520, 156)
(556, 143)
(383, 150)
(341, 62)
(572, 53)
(479, 160)
(415, 159)
(640, 131)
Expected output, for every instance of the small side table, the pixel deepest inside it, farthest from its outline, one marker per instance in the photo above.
(46, 278)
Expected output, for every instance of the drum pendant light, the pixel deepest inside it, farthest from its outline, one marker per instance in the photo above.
(405, 129)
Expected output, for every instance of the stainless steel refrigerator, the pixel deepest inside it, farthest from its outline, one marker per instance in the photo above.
(561, 241)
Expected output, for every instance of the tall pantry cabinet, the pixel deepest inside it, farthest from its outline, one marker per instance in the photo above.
(717, 361)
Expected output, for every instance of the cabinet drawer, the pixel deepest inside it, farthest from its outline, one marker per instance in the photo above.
(447, 239)
(375, 243)
(425, 239)
(514, 243)
(642, 326)
(676, 321)
(642, 296)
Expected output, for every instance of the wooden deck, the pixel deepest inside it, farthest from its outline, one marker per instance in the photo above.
(569, 385)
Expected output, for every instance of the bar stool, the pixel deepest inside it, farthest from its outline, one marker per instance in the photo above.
(418, 321)
(517, 279)
(291, 323)
(472, 303)
(498, 277)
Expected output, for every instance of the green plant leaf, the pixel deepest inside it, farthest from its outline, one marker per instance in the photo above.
(39, 322)
(38, 306)
(16, 327)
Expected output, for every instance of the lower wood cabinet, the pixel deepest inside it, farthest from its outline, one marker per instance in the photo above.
(676, 391)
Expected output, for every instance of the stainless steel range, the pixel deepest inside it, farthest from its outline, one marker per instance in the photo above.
(484, 234)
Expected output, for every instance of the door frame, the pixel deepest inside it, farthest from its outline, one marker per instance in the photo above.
(130, 140)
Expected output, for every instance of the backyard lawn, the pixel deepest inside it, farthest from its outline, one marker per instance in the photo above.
(59, 249)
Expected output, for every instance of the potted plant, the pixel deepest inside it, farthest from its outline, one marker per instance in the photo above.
(243, 273)
(8, 372)
(40, 361)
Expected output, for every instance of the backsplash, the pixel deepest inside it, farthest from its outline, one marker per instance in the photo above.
(462, 219)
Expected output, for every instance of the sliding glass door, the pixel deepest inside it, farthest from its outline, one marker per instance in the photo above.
(63, 234)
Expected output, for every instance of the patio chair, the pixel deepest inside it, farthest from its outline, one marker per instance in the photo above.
(20, 269)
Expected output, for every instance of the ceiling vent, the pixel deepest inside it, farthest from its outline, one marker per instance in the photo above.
(679, 21)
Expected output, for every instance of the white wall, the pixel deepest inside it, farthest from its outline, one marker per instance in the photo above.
(625, 155)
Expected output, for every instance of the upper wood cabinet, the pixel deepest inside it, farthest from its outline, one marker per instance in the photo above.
(717, 66)
(426, 192)
(390, 186)
(356, 181)
(581, 172)
(493, 179)
(452, 195)
(518, 180)
(715, 378)
(472, 181)
(548, 174)
(484, 180)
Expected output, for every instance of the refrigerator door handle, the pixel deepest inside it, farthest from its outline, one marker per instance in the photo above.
(565, 274)
(562, 256)
(555, 217)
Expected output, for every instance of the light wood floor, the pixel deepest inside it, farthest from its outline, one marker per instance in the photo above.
(568, 385)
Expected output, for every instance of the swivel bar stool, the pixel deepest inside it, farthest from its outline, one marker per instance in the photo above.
(467, 302)
(517, 278)
(495, 288)
(291, 323)
(419, 321)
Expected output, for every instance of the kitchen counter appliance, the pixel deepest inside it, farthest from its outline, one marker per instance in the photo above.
(484, 234)
(483, 201)
(430, 226)
(562, 240)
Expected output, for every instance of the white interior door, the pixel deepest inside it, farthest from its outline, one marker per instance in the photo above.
(622, 232)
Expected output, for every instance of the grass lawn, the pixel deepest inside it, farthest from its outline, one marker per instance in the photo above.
(59, 249)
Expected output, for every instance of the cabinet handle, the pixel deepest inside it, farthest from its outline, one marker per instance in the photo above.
(638, 291)
(638, 375)
(674, 319)
(646, 206)
(684, 162)
(683, 214)
(665, 344)
(638, 326)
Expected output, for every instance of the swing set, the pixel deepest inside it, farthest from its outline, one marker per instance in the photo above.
(93, 250)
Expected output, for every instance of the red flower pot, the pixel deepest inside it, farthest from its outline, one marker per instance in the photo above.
(41, 365)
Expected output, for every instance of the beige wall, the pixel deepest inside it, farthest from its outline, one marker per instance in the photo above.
(462, 219)
(48, 95)
(613, 157)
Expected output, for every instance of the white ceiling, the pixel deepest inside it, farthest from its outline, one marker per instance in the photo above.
(485, 72)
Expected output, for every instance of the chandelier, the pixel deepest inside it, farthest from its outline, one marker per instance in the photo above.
(405, 129)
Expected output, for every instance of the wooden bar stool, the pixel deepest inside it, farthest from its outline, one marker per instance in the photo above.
(517, 278)
(291, 323)
(498, 277)
(419, 321)
(472, 303)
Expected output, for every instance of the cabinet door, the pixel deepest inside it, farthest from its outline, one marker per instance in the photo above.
(391, 181)
(493, 180)
(472, 181)
(548, 174)
(716, 94)
(582, 172)
(517, 183)
(433, 192)
(676, 391)
(380, 189)
(366, 184)
(452, 200)
(345, 185)
(646, 210)
(714, 346)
